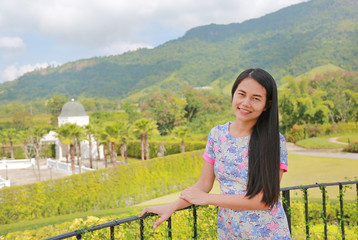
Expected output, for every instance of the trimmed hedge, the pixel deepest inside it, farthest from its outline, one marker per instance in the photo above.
(171, 147)
(114, 187)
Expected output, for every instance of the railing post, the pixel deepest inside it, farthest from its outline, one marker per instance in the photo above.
(112, 232)
(141, 229)
(287, 207)
(323, 189)
(341, 205)
(306, 214)
(195, 230)
(170, 228)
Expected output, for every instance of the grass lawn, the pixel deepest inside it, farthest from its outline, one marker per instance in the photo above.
(318, 143)
(352, 138)
(302, 170)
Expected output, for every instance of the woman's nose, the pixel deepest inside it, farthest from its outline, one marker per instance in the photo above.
(246, 102)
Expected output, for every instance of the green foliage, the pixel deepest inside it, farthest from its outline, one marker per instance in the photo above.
(115, 187)
(353, 147)
(171, 147)
(297, 132)
(54, 105)
(167, 110)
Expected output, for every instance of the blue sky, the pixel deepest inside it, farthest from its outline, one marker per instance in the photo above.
(38, 33)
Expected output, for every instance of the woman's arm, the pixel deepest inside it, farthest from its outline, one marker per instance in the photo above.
(204, 184)
(239, 201)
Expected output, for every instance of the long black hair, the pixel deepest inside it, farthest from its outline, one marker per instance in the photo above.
(264, 146)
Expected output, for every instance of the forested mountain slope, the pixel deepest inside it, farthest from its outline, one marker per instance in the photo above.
(291, 41)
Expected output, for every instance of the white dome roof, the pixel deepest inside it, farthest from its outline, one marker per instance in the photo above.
(73, 109)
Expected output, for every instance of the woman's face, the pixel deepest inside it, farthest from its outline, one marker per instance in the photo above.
(249, 100)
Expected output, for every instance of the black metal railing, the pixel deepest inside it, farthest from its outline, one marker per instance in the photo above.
(286, 204)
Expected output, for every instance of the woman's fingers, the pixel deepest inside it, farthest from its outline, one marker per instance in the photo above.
(160, 221)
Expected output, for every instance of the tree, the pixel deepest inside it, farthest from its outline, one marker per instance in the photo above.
(54, 105)
(300, 104)
(35, 135)
(145, 127)
(124, 135)
(22, 120)
(167, 110)
(196, 101)
(112, 132)
(24, 138)
(88, 132)
(67, 134)
(10, 134)
(181, 132)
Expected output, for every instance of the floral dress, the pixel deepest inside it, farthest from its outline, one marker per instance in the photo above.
(229, 155)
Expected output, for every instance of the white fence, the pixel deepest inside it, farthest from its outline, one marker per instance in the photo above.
(4, 183)
(65, 167)
(16, 164)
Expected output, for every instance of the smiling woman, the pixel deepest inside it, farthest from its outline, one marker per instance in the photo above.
(247, 157)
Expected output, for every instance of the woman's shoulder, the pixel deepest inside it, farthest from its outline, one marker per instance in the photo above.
(219, 130)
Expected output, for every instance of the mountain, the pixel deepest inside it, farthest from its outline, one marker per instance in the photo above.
(291, 41)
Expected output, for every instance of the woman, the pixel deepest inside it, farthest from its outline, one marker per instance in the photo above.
(247, 157)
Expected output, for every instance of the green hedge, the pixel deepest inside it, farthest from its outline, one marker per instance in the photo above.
(171, 147)
(114, 187)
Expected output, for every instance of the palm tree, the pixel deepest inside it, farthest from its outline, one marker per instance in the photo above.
(96, 129)
(181, 132)
(88, 131)
(112, 132)
(10, 134)
(124, 135)
(67, 134)
(145, 127)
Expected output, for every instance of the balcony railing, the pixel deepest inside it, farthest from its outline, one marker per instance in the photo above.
(286, 203)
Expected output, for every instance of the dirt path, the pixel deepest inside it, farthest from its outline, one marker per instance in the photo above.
(292, 148)
(335, 140)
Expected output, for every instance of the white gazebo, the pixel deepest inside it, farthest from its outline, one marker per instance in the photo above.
(74, 112)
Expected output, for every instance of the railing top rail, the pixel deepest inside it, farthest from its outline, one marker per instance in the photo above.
(103, 225)
(318, 185)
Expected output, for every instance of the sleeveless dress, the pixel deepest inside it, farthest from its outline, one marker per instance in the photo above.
(229, 155)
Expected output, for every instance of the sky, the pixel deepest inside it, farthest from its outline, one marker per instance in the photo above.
(38, 33)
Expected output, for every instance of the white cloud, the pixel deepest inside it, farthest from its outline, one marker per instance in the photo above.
(11, 43)
(13, 71)
(120, 47)
(101, 24)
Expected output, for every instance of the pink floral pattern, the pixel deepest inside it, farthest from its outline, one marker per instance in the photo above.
(230, 158)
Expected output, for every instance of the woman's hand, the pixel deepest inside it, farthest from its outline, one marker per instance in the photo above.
(194, 196)
(164, 211)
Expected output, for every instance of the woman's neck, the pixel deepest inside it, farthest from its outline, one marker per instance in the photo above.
(241, 129)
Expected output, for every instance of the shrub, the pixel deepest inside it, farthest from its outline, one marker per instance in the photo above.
(171, 147)
(353, 147)
(297, 132)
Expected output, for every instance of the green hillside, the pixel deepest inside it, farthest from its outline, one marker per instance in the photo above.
(291, 41)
